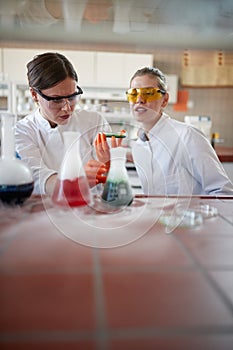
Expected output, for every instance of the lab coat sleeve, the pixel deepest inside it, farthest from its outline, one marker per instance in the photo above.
(206, 167)
(30, 152)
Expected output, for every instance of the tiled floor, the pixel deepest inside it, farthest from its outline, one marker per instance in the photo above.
(162, 291)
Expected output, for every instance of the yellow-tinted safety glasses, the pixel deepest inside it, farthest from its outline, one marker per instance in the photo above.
(148, 94)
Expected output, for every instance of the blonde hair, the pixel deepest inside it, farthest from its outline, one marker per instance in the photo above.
(153, 72)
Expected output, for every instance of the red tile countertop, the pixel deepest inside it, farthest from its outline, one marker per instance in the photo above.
(161, 291)
(225, 154)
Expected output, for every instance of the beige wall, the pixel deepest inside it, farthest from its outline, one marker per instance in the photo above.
(214, 102)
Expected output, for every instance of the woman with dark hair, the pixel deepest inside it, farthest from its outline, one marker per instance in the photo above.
(53, 86)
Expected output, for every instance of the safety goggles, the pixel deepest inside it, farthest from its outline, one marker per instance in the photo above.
(148, 94)
(59, 102)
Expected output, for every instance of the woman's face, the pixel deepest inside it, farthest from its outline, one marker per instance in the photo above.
(146, 111)
(57, 114)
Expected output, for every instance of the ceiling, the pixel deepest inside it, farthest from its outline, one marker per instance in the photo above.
(137, 25)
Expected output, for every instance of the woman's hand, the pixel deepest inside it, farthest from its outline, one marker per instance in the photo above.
(96, 172)
(102, 148)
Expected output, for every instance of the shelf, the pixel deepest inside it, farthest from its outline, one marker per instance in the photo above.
(5, 96)
(110, 94)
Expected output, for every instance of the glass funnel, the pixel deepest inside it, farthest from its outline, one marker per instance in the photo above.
(117, 190)
(71, 187)
(16, 181)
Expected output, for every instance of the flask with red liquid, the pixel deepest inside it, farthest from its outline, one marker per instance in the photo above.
(71, 187)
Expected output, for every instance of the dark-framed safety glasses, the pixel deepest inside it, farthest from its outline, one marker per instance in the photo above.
(148, 94)
(60, 101)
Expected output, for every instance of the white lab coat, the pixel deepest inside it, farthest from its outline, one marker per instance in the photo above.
(42, 147)
(178, 159)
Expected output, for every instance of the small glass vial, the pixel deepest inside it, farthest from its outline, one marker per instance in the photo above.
(117, 190)
(71, 187)
(214, 139)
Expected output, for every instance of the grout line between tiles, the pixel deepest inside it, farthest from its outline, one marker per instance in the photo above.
(166, 332)
(147, 269)
(226, 219)
(121, 333)
(99, 303)
(44, 272)
(45, 336)
(208, 277)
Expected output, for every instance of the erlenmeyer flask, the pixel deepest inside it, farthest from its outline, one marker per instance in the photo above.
(16, 180)
(71, 188)
(117, 190)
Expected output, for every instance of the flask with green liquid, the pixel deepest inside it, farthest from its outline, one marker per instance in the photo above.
(117, 190)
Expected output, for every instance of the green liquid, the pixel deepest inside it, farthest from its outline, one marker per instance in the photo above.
(117, 135)
(117, 193)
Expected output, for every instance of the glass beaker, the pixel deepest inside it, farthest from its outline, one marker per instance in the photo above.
(117, 190)
(71, 187)
(16, 180)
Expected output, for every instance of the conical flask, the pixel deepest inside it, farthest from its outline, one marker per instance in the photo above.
(117, 190)
(16, 180)
(71, 187)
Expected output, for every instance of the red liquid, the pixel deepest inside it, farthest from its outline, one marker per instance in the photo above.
(73, 193)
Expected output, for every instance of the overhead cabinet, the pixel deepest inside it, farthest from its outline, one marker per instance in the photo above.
(95, 69)
(116, 69)
(84, 64)
(15, 61)
(102, 75)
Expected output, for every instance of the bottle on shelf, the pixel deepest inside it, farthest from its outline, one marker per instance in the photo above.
(88, 105)
(216, 140)
(105, 107)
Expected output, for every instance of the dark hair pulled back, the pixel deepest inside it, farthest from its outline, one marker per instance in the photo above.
(49, 69)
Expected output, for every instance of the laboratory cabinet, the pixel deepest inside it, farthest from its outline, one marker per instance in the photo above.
(104, 76)
(95, 69)
(15, 61)
(84, 64)
(115, 69)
